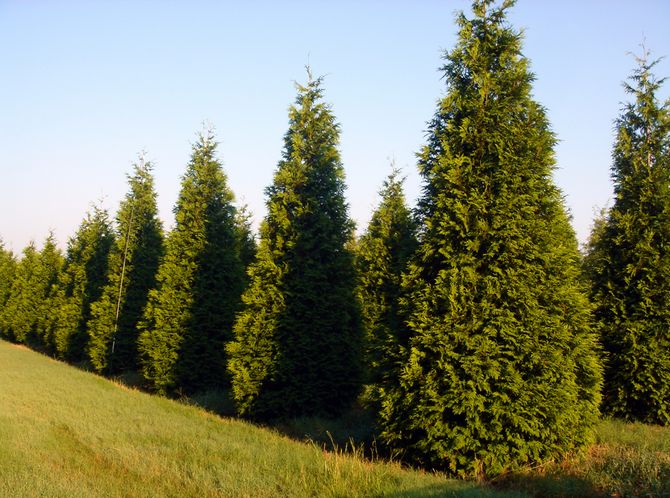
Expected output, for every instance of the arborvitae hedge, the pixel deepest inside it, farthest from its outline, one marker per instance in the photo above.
(81, 282)
(132, 266)
(629, 259)
(8, 265)
(381, 259)
(297, 341)
(502, 368)
(190, 314)
(25, 312)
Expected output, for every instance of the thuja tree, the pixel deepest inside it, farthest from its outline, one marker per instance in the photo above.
(82, 280)
(381, 259)
(131, 273)
(629, 262)
(49, 268)
(501, 367)
(26, 308)
(7, 271)
(297, 341)
(246, 237)
(190, 314)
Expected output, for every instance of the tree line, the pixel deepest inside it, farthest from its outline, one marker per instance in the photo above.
(481, 336)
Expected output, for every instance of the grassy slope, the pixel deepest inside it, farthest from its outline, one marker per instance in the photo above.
(64, 432)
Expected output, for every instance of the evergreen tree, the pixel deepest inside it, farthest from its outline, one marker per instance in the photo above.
(191, 312)
(381, 257)
(297, 341)
(50, 267)
(629, 262)
(245, 236)
(82, 280)
(27, 305)
(8, 265)
(132, 266)
(502, 367)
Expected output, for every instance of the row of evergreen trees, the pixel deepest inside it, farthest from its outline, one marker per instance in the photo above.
(469, 319)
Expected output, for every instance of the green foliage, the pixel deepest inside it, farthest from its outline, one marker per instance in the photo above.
(8, 266)
(131, 273)
(629, 262)
(28, 307)
(297, 341)
(81, 282)
(381, 258)
(245, 235)
(502, 368)
(190, 314)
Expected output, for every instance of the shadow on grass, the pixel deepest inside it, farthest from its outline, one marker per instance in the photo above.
(549, 485)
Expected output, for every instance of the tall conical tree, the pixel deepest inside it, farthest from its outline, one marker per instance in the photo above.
(34, 281)
(132, 266)
(190, 314)
(19, 313)
(296, 346)
(82, 280)
(382, 255)
(502, 368)
(630, 262)
(246, 237)
(50, 267)
(8, 265)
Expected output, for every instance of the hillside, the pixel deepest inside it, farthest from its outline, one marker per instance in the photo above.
(65, 432)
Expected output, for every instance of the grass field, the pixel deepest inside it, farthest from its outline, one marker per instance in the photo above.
(65, 432)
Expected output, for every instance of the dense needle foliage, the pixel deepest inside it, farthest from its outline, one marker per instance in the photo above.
(131, 273)
(382, 254)
(629, 261)
(501, 367)
(80, 284)
(26, 311)
(297, 341)
(189, 316)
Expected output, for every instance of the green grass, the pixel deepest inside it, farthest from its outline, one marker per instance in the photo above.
(628, 459)
(65, 432)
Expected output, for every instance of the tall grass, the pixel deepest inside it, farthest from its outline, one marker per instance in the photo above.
(68, 433)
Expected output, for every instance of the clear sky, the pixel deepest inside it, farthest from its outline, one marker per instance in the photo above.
(85, 86)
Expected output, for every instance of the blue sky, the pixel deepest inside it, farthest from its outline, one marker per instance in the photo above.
(85, 86)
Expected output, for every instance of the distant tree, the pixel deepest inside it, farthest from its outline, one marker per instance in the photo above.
(190, 314)
(25, 309)
(501, 368)
(8, 269)
(297, 341)
(50, 267)
(629, 262)
(246, 237)
(8, 266)
(382, 255)
(131, 273)
(81, 283)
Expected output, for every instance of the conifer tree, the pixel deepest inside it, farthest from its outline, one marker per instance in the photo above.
(245, 236)
(34, 281)
(190, 314)
(381, 258)
(8, 266)
(297, 341)
(629, 261)
(82, 280)
(50, 267)
(501, 368)
(131, 273)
